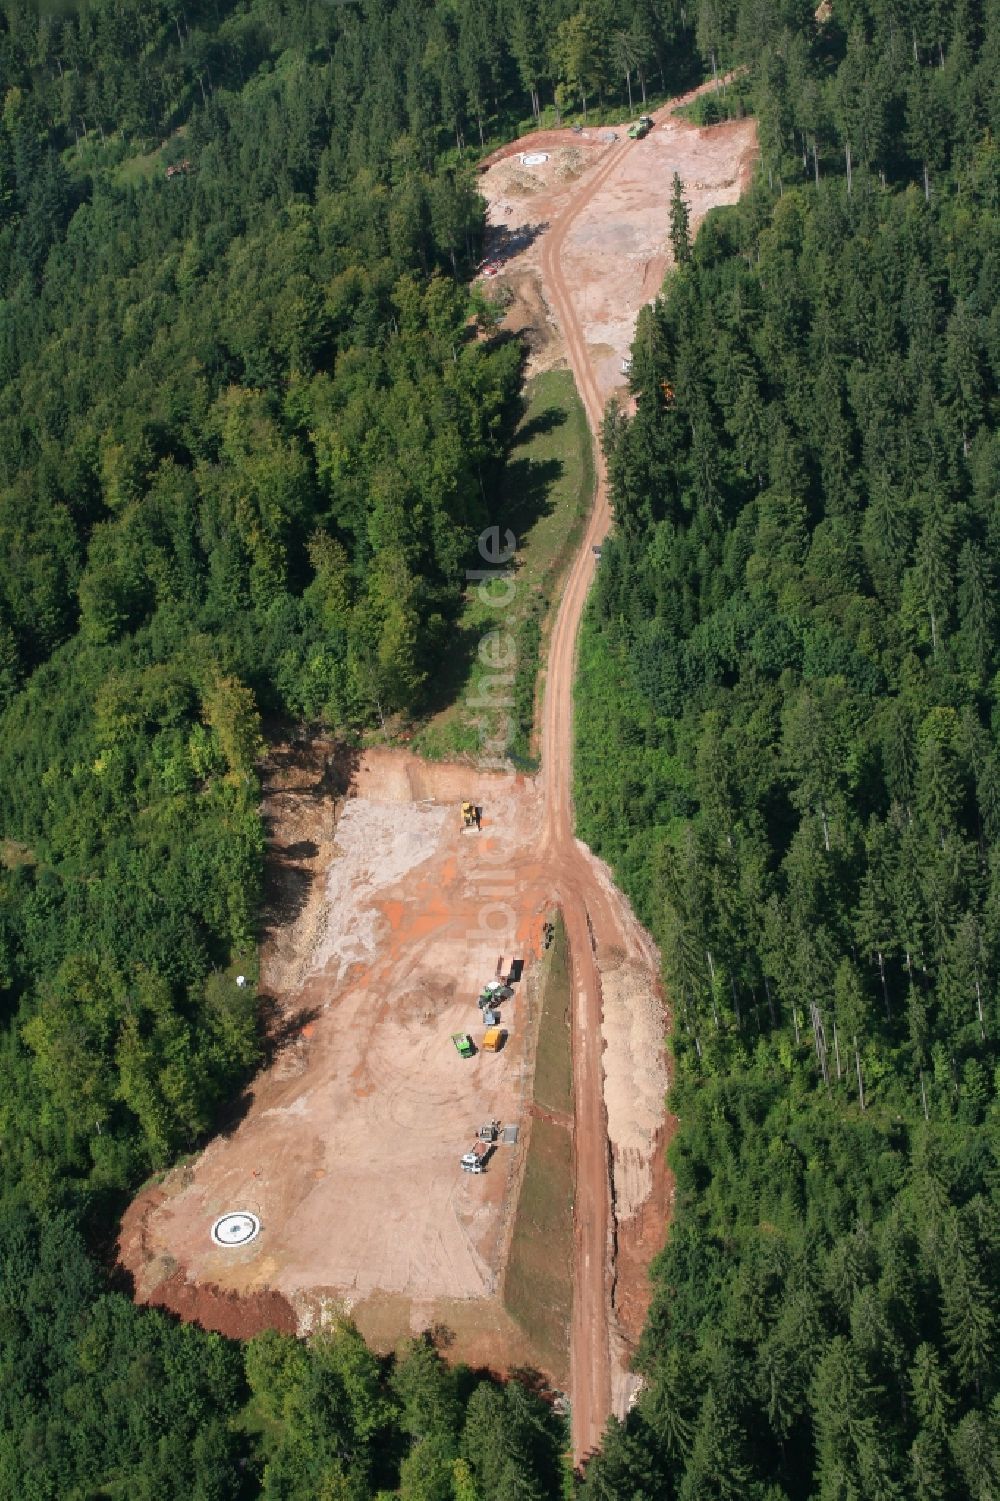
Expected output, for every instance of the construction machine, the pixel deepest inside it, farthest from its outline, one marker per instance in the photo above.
(476, 1160)
(494, 994)
(471, 816)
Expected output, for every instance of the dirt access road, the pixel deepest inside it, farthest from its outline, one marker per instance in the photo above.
(600, 256)
(384, 921)
(614, 253)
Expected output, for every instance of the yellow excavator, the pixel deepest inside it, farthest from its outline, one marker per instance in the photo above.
(471, 816)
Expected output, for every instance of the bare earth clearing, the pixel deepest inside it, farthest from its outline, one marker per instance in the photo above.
(349, 1151)
(385, 919)
(615, 256)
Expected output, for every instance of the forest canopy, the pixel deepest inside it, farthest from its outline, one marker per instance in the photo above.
(250, 423)
(787, 749)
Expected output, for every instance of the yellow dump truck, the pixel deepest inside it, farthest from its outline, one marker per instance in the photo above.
(470, 816)
(494, 1039)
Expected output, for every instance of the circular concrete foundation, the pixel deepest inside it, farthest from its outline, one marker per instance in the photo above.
(237, 1228)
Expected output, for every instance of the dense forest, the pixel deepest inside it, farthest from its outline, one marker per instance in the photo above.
(251, 420)
(787, 748)
(251, 423)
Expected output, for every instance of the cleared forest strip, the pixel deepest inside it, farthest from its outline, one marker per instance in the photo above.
(538, 1286)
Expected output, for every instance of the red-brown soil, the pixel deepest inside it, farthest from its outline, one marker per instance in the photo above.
(616, 252)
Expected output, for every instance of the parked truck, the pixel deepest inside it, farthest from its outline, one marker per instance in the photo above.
(475, 1160)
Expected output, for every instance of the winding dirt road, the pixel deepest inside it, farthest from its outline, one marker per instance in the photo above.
(600, 924)
(590, 1357)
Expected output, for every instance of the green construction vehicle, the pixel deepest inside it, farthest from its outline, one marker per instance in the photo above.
(463, 1043)
(641, 128)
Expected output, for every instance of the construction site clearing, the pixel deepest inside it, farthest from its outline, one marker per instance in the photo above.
(617, 252)
(341, 1187)
(404, 1027)
(349, 1153)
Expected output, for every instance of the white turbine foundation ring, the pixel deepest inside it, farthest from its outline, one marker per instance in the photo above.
(237, 1228)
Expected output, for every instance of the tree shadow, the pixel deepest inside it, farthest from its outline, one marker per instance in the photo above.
(339, 771)
(280, 1031)
(280, 1028)
(326, 775)
(452, 667)
(543, 422)
(524, 499)
(303, 849)
(286, 891)
(527, 493)
(440, 1335)
(230, 1115)
(326, 771)
(501, 242)
(534, 1381)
